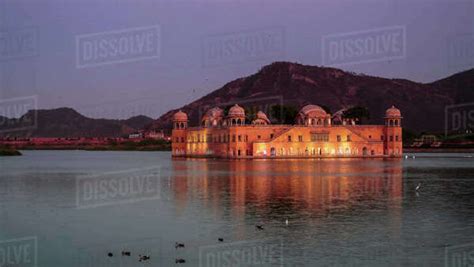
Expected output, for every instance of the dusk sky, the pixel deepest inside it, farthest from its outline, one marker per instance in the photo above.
(43, 46)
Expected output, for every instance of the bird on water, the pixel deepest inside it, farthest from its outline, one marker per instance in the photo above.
(418, 186)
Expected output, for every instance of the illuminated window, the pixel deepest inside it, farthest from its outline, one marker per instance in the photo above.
(318, 137)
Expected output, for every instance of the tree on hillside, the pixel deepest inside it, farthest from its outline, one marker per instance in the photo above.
(326, 108)
(357, 113)
(284, 114)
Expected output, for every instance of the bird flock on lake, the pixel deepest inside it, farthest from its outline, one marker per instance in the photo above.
(177, 245)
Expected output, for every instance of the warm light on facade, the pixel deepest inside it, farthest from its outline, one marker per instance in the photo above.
(229, 137)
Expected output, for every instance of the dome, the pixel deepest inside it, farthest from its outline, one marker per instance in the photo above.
(213, 113)
(180, 116)
(261, 115)
(313, 111)
(261, 118)
(338, 116)
(236, 111)
(212, 117)
(393, 112)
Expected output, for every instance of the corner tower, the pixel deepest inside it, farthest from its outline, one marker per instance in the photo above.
(178, 134)
(393, 132)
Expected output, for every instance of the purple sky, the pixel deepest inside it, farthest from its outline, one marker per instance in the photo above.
(438, 42)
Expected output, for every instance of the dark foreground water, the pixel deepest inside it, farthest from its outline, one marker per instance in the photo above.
(71, 208)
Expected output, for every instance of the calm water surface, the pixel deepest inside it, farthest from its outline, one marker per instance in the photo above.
(77, 206)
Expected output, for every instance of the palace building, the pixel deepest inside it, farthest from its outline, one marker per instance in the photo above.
(316, 134)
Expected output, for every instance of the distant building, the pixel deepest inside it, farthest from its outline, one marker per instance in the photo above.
(313, 135)
(135, 135)
(427, 140)
(153, 134)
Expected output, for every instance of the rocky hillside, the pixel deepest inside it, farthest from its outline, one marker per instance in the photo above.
(422, 105)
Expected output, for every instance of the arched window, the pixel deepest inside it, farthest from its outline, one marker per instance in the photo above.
(181, 125)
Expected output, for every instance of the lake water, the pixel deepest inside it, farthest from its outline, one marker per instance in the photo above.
(71, 208)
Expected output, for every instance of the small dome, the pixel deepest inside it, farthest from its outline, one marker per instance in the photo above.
(261, 118)
(262, 115)
(212, 117)
(180, 116)
(393, 112)
(338, 116)
(214, 113)
(313, 111)
(236, 111)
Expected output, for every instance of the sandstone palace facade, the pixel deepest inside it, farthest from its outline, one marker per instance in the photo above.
(315, 135)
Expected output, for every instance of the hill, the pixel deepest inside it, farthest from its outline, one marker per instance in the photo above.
(422, 105)
(66, 122)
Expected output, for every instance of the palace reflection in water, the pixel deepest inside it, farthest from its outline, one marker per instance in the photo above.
(288, 186)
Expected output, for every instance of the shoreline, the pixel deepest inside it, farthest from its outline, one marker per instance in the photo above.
(145, 149)
(438, 150)
(15, 151)
(9, 152)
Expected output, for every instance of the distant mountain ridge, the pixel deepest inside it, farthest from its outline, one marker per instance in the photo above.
(422, 105)
(67, 122)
